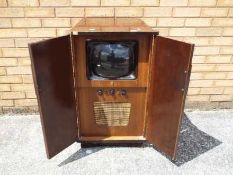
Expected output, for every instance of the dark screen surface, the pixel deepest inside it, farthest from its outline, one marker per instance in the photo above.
(111, 59)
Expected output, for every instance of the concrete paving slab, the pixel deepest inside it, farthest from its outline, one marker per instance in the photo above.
(205, 147)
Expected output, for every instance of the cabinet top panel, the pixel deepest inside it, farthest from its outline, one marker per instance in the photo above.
(109, 25)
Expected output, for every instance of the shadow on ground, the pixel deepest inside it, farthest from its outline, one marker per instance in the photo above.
(192, 143)
(83, 152)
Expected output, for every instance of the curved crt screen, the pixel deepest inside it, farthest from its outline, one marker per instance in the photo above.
(111, 60)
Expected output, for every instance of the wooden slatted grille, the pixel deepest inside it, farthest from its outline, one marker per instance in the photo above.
(112, 113)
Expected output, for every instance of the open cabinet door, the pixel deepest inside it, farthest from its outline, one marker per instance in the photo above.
(54, 85)
(170, 71)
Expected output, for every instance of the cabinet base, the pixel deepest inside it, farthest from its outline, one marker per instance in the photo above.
(112, 141)
(112, 144)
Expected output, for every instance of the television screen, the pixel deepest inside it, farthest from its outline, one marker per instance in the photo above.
(111, 59)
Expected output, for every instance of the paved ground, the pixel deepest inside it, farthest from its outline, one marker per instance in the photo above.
(206, 147)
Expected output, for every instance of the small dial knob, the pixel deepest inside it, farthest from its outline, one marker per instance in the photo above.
(112, 91)
(123, 92)
(100, 92)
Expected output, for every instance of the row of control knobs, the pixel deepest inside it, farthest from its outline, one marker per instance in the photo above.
(112, 92)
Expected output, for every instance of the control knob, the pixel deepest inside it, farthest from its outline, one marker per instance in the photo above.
(112, 91)
(100, 92)
(123, 92)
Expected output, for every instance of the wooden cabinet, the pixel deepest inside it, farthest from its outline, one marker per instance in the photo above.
(75, 108)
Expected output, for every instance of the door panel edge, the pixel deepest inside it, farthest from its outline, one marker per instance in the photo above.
(51, 69)
(171, 58)
(186, 85)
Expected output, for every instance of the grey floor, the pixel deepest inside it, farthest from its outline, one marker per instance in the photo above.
(205, 147)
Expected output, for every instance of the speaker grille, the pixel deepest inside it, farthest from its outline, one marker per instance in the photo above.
(112, 113)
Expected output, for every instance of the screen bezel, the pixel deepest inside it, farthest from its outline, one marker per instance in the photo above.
(132, 75)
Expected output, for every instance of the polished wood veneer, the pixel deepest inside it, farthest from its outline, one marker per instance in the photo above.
(66, 97)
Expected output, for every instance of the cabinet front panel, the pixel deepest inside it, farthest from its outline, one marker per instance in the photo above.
(105, 114)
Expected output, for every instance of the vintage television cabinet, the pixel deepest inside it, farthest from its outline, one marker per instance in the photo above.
(111, 80)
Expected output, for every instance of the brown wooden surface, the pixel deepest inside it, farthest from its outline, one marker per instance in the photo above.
(169, 75)
(88, 126)
(142, 68)
(53, 79)
(86, 89)
(118, 138)
(111, 25)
